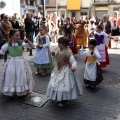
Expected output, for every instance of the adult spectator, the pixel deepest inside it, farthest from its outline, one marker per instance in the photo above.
(106, 24)
(29, 28)
(7, 26)
(15, 23)
(2, 38)
(37, 23)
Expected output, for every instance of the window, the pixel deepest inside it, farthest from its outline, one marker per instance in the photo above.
(27, 2)
(31, 3)
(47, 2)
(73, 14)
(83, 13)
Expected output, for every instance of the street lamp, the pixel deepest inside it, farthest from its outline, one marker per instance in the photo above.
(43, 12)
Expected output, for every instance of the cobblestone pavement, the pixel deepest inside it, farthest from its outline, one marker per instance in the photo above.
(103, 103)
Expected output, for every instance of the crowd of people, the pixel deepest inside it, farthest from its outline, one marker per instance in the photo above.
(64, 85)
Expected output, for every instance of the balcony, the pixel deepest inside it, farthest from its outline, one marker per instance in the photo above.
(27, 6)
(103, 2)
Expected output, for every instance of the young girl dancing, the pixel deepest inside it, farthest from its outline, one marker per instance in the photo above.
(16, 78)
(43, 59)
(64, 84)
(92, 74)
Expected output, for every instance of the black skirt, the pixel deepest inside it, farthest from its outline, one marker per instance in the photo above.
(99, 78)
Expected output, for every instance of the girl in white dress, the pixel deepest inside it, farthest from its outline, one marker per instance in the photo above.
(92, 73)
(43, 58)
(16, 77)
(64, 84)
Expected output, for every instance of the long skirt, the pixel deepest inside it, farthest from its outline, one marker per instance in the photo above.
(74, 49)
(64, 85)
(81, 37)
(16, 77)
(104, 60)
(92, 74)
(44, 65)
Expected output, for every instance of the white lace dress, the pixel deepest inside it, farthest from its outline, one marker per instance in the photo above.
(16, 76)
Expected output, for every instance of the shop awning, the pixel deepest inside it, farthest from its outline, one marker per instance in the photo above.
(73, 4)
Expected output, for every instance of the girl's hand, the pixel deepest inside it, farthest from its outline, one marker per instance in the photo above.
(116, 38)
(26, 40)
(73, 69)
(39, 37)
(41, 46)
(37, 46)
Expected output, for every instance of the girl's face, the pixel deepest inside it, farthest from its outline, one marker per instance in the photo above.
(42, 31)
(61, 46)
(98, 29)
(16, 36)
(91, 47)
(67, 21)
(46, 30)
(105, 19)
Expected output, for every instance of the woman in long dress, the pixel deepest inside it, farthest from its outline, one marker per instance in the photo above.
(68, 32)
(64, 84)
(81, 34)
(16, 77)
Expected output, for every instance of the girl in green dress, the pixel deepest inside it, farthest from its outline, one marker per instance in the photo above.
(16, 78)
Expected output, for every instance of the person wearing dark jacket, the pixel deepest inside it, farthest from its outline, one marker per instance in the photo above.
(29, 28)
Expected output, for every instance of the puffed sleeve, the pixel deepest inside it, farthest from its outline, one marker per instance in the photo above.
(47, 42)
(4, 49)
(96, 53)
(25, 45)
(73, 61)
(105, 35)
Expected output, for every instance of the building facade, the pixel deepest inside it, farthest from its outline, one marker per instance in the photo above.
(101, 7)
(69, 8)
(73, 9)
(29, 6)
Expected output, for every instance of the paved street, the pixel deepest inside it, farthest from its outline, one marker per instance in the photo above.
(103, 103)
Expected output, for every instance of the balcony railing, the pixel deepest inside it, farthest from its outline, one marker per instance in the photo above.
(101, 1)
(104, 1)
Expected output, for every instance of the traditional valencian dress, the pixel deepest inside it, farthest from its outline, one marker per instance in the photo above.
(43, 58)
(81, 34)
(92, 74)
(16, 78)
(68, 29)
(64, 84)
(102, 48)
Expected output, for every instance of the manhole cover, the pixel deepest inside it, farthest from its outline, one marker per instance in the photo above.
(110, 80)
(35, 99)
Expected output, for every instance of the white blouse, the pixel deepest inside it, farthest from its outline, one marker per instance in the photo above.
(95, 52)
(5, 47)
